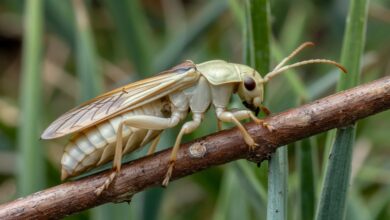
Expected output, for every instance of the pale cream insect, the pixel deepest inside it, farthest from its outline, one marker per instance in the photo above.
(136, 114)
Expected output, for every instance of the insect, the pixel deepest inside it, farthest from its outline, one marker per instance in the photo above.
(127, 118)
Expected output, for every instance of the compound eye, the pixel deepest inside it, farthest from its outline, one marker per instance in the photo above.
(249, 83)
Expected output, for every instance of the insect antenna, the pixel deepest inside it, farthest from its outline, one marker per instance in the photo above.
(281, 68)
(293, 54)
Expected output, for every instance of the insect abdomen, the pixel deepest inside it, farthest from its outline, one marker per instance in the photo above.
(96, 145)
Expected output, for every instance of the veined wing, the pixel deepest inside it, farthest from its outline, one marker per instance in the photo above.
(123, 99)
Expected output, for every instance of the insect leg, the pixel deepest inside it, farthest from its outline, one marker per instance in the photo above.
(116, 167)
(219, 125)
(244, 114)
(265, 110)
(137, 121)
(153, 146)
(187, 128)
(227, 116)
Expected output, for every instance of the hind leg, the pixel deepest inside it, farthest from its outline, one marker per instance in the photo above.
(117, 159)
(139, 121)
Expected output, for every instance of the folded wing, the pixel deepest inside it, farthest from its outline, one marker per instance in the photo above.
(123, 99)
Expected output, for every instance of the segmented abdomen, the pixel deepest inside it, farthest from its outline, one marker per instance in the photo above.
(96, 145)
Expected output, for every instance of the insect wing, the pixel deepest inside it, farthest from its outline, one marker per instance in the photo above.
(119, 100)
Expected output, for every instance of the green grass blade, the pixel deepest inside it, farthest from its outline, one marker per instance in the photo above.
(224, 195)
(232, 203)
(379, 202)
(86, 59)
(31, 167)
(133, 32)
(247, 35)
(354, 41)
(171, 53)
(317, 88)
(330, 136)
(333, 196)
(238, 12)
(294, 27)
(307, 184)
(60, 19)
(111, 211)
(356, 208)
(152, 201)
(277, 185)
(259, 11)
(251, 182)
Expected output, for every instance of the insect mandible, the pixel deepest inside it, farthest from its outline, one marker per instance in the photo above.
(125, 119)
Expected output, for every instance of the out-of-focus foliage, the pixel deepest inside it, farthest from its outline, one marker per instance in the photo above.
(129, 41)
(338, 170)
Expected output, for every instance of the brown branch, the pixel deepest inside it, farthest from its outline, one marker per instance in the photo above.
(334, 111)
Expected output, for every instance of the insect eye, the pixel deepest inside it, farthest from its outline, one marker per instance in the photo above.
(249, 83)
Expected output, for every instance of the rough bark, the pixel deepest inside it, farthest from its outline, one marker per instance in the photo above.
(338, 110)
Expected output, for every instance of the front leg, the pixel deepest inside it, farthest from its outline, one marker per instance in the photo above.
(235, 117)
(245, 114)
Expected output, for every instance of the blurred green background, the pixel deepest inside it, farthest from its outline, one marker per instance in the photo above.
(56, 54)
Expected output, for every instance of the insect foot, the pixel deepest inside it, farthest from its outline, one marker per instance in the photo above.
(268, 126)
(265, 124)
(168, 175)
(251, 143)
(106, 183)
(253, 147)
